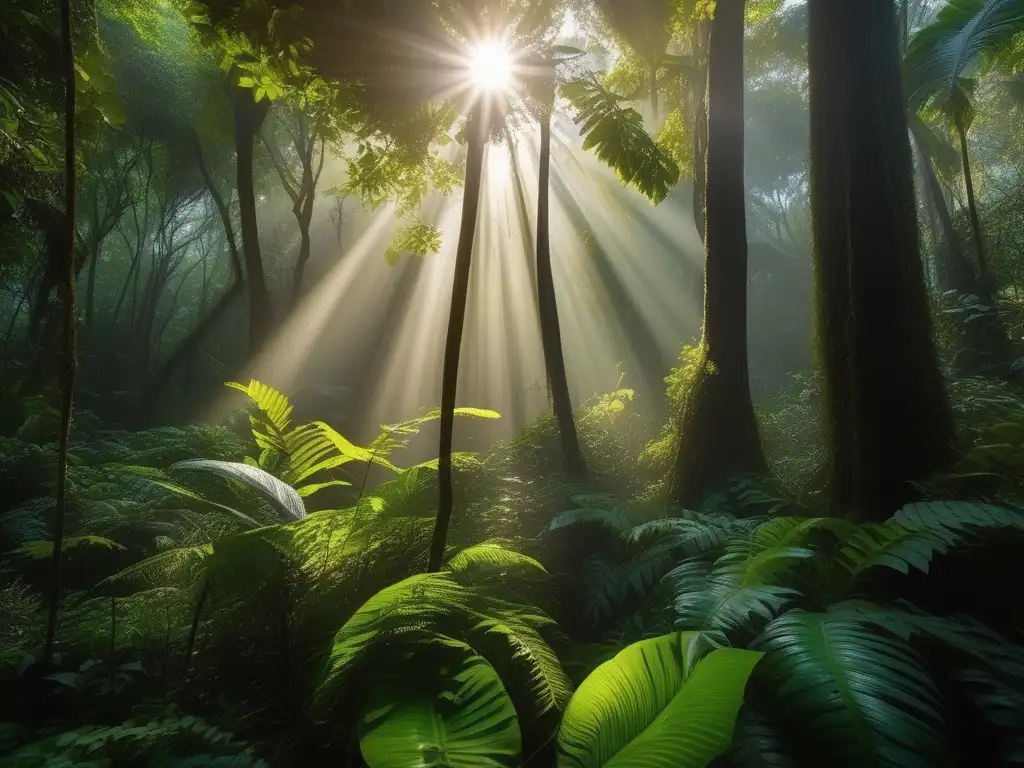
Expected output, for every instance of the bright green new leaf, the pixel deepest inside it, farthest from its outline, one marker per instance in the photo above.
(470, 722)
(656, 706)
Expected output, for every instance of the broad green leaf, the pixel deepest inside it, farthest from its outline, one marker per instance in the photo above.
(470, 722)
(655, 705)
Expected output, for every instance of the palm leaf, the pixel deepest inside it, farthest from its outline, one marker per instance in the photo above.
(656, 705)
(941, 54)
(864, 695)
(281, 495)
(469, 722)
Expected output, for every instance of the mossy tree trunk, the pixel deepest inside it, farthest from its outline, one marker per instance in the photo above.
(718, 434)
(477, 134)
(887, 417)
(550, 331)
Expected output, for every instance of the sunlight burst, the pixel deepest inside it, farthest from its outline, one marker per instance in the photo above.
(491, 65)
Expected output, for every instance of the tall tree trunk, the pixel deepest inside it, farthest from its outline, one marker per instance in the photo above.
(67, 290)
(887, 417)
(249, 116)
(550, 332)
(477, 134)
(718, 430)
(700, 132)
(972, 203)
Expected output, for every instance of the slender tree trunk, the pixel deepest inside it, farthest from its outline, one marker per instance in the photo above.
(972, 203)
(718, 430)
(249, 116)
(305, 218)
(652, 86)
(887, 417)
(700, 135)
(453, 344)
(550, 332)
(90, 286)
(68, 351)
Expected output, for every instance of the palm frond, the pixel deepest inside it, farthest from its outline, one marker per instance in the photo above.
(864, 696)
(941, 54)
(959, 517)
(281, 495)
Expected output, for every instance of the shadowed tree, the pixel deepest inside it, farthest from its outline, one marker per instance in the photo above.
(67, 294)
(718, 434)
(887, 417)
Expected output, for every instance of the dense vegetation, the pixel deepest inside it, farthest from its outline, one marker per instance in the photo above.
(797, 545)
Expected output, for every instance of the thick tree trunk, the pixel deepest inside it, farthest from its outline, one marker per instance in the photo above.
(453, 344)
(550, 332)
(249, 116)
(718, 430)
(887, 417)
(67, 291)
(700, 134)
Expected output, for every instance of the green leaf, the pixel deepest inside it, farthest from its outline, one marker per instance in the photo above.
(470, 722)
(41, 550)
(864, 697)
(942, 53)
(490, 554)
(656, 706)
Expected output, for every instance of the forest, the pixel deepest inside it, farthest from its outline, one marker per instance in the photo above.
(511, 383)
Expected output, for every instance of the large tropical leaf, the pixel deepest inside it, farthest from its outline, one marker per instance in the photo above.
(656, 705)
(617, 136)
(864, 696)
(941, 54)
(281, 495)
(468, 721)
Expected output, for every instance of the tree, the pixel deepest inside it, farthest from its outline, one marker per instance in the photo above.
(718, 433)
(646, 27)
(887, 417)
(476, 136)
(67, 291)
(550, 331)
(938, 60)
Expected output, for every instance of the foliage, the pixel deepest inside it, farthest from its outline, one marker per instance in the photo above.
(171, 742)
(617, 136)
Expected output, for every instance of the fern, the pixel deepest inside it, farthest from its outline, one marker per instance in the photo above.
(893, 546)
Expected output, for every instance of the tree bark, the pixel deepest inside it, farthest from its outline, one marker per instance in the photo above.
(67, 287)
(718, 434)
(887, 416)
(453, 344)
(972, 203)
(550, 332)
(249, 116)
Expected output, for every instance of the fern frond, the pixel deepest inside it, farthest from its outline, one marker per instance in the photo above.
(892, 545)
(43, 550)
(276, 409)
(180, 567)
(957, 516)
